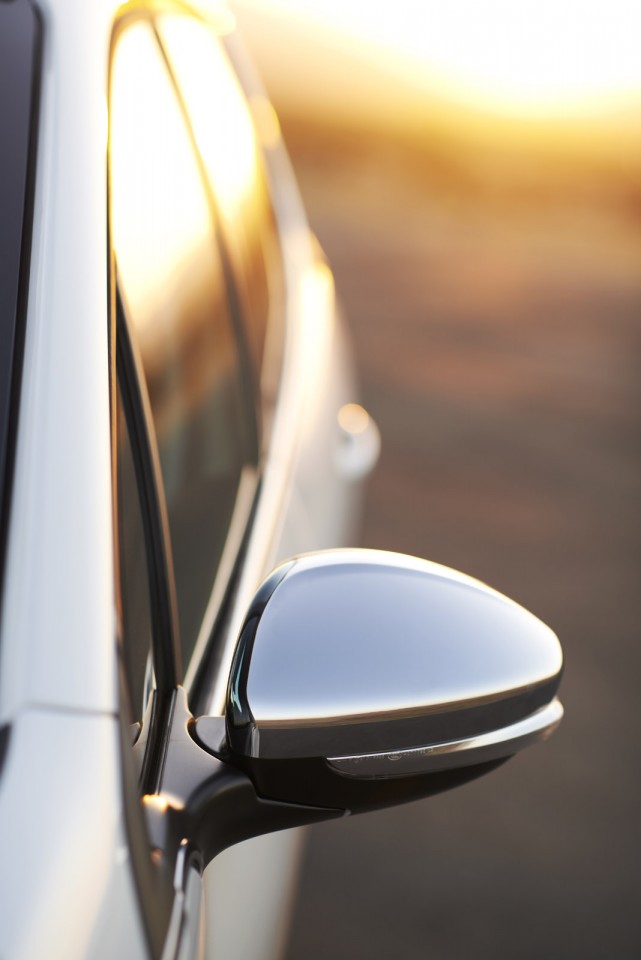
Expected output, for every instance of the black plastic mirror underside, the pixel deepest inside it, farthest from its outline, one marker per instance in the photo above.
(313, 782)
(212, 803)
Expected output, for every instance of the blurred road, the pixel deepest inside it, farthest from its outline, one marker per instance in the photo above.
(499, 342)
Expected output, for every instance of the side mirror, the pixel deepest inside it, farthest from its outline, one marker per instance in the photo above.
(363, 679)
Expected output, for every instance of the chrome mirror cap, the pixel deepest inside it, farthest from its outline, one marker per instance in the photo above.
(360, 665)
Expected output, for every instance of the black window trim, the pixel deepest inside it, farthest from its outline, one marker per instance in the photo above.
(153, 878)
(165, 630)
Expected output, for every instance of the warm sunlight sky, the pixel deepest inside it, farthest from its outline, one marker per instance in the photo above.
(537, 57)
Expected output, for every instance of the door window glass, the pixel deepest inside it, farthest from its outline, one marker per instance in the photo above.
(224, 130)
(175, 286)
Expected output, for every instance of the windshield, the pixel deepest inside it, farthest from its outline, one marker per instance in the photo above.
(19, 63)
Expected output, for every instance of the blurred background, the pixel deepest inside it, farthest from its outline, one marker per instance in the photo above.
(473, 171)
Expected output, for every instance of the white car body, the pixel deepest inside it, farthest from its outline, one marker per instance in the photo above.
(66, 883)
(177, 422)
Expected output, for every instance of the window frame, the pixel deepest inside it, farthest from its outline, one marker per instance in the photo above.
(198, 673)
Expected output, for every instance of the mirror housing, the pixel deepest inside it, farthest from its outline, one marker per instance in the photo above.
(363, 679)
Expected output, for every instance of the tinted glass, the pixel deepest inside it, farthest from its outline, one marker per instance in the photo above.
(135, 593)
(224, 129)
(175, 288)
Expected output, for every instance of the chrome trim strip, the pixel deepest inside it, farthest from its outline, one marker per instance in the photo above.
(496, 745)
(497, 697)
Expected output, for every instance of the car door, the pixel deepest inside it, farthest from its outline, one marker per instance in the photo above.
(231, 371)
(198, 320)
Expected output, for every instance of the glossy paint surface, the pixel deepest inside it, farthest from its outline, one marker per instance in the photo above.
(58, 650)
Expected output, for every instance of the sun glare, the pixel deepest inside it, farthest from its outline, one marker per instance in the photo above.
(559, 57)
